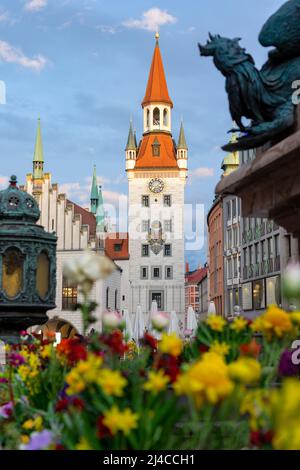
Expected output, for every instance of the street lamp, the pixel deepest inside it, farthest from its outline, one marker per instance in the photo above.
(27, 264)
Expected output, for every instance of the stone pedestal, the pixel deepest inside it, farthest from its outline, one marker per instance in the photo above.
(269, 186)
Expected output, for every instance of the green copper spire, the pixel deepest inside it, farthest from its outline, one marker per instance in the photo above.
(181, 141)
(94, 192)
(38, 158)
(131, 141)
(100, 214)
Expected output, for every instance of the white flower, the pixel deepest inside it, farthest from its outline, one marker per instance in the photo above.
(88, 268)
(111, 320)
(291, 281)
(160, 321)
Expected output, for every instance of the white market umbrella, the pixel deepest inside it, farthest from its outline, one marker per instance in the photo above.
(128, 325)
(174, 324)
(153, 311)
(191, 320)
(212, 309)
(139, 325)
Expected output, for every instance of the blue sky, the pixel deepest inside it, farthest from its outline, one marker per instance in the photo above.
(82, 66)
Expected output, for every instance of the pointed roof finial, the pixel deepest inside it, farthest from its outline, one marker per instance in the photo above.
(157, 37)
(157, 88)
(131, 143)
(182, 141)
(38, 150)
(94, 188)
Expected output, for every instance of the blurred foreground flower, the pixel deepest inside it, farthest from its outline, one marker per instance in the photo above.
(291, 281)
(160, 321)
(87, 269)
(112, 320)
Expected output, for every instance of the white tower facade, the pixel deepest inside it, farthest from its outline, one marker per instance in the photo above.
(157, 180)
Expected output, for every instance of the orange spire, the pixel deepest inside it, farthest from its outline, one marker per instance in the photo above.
(157, 89)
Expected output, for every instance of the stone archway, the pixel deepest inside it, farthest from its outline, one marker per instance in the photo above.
(57, 325)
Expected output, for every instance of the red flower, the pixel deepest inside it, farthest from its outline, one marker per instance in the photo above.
(203, 348)
(170, 365)
(251, 349)
(59, 447)
(73, 349)
(102, 430)
(261, 438)
(64, 403)
(16, 360)
(150, 341)
(115, 342)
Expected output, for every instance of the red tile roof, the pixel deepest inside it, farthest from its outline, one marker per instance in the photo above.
(196, 276)
(87, 217)
(157, 89)
(122, 251)
(167, 158)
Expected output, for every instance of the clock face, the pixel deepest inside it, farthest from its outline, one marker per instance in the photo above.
(156, 185)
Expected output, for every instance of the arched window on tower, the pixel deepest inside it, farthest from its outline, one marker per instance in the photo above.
(156, 117)
(166, 118)
(148, 119)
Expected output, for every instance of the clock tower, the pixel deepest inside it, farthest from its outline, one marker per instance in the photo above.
(157, 173)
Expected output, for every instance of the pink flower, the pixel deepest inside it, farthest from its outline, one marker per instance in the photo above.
(6, 410)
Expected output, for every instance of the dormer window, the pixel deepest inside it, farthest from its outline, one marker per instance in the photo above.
(156, 148)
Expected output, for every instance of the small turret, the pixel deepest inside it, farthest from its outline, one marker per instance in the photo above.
(131, 149)
(182, 150)
(38, 158)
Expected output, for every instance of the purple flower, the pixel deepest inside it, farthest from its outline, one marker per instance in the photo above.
(39, 440)
(3, 380)
(16, 360)
(6, 410)
(286, 367)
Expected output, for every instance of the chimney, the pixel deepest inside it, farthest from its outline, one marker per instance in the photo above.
(187, 267)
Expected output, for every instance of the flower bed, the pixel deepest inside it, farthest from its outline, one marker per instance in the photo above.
(100, 392)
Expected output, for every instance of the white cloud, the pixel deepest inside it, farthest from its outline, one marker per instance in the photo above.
(4, 16)
(151, 20)
(3, 182)
(202, 172)
(35, 5)
(11, 54)
(80, 192)
(106, 28)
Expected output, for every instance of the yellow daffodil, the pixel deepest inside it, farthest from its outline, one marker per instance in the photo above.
(238, 324)
(216, 323)
(112, 382)
(295, 317)
(276, 321)
(245, 370)
(34, 424)
(123, 421)
(220, 348)
(207, 379)
(171, 344)
(25, 439)
(157, 381)
(84, 373)
(286, 414)
(83, 444)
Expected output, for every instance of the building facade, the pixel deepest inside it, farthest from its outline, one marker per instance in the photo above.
(232, 240)
(77, 229)
(196, 290)
(266, 249)
(216, 255)
(157, 172)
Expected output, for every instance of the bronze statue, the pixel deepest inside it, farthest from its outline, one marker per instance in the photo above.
(266, 97)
